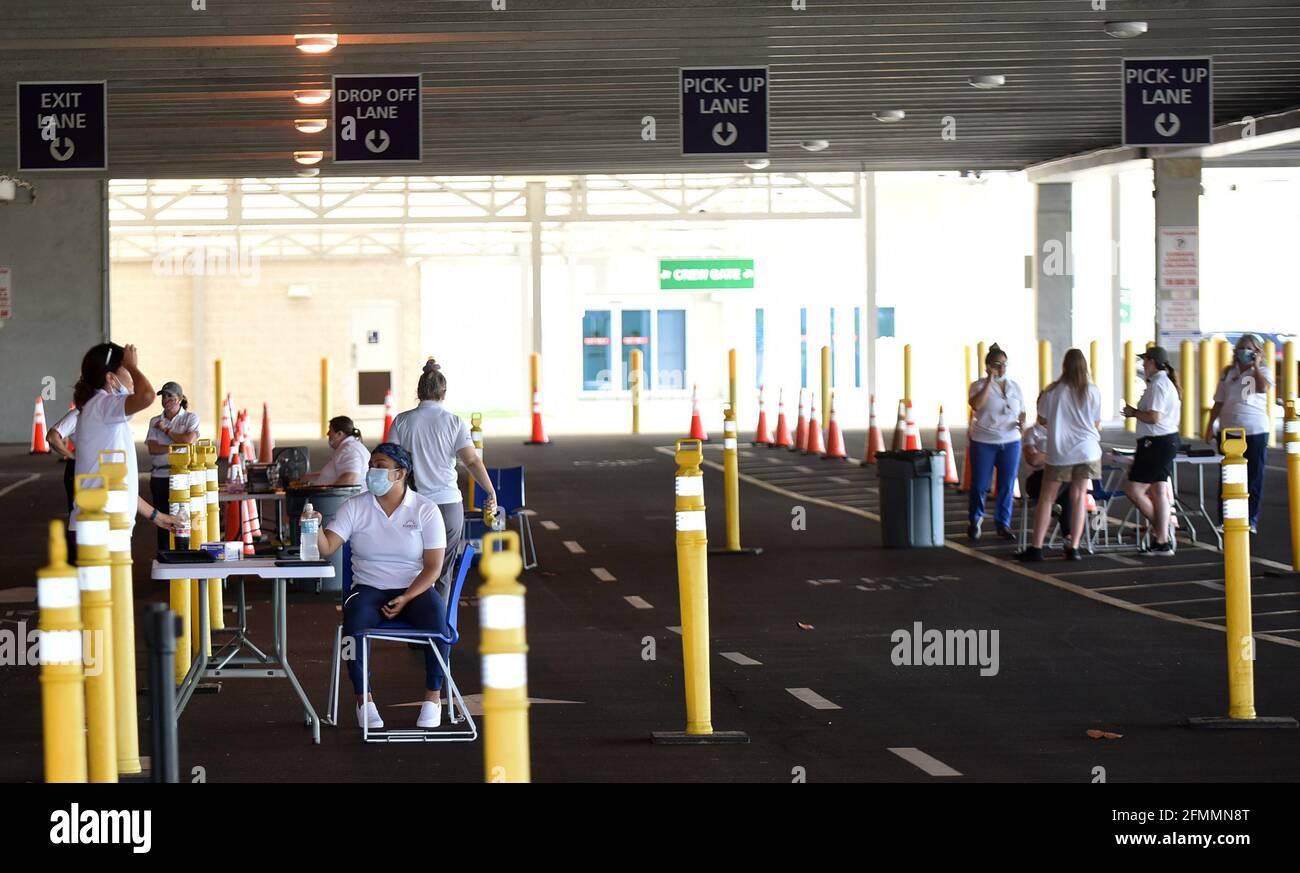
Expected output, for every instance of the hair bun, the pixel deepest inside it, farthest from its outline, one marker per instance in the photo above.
(431, 365)
(995, 348)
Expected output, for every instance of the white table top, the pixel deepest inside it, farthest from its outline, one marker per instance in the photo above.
(263, 567)
(230, 496)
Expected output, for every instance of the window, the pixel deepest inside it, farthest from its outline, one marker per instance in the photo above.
(636, 335)
(660, 334)
(672, 349)
(595, 350)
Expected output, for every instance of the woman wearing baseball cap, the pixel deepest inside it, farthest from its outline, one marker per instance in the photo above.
(1158, 414)
(1241, 400)
(176, 424)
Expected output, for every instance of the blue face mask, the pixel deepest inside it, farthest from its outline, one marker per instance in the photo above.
(377, 482)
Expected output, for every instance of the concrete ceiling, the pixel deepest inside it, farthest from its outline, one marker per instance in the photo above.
(561, 86)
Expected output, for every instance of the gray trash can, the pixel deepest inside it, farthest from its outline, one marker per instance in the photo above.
(326, 500)
(911, 498)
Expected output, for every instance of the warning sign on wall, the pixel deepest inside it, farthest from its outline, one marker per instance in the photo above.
(1178, 257)
(6, 294)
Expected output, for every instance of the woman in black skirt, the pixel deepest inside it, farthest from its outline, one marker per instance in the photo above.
(1158, 414)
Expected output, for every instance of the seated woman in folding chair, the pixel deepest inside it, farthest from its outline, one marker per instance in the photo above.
(1158, 414)
(398, 543)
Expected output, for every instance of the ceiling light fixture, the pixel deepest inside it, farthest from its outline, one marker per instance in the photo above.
(308, 157)
(310, 125)
(312, 96)
(889, 116)
(988, 82)
(315, 43)
(758, 163)
(1125, 29)
(309, 171)
(815, 145)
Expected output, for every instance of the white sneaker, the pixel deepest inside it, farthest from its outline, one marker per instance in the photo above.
(368, 717)
(430, 715)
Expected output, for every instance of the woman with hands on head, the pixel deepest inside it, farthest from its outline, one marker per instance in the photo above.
(997, 419)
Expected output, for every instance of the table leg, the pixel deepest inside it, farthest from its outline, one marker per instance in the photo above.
(281, 621)
(200, 664)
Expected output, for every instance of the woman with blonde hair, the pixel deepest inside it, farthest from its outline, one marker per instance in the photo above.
(1070, 410)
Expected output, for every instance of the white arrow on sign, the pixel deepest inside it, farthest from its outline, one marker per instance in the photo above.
(378, 143)
(64, 155)
(1173, 124)
(727, 138)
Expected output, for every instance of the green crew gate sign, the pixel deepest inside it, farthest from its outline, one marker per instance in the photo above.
(705, 274)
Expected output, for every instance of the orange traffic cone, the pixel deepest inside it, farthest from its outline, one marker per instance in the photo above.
(539, 437)
(900, 428)
(875, 439)
(813, 442)
(40, 446)
(388, 413)
(782, 429)
(697, 426)
(834, 438)
(943, 442)
(913, 443)
(266, 448)
(227, 430)
(761, 436)
(800, 428)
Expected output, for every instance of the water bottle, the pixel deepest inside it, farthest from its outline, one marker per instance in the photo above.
(308, 532)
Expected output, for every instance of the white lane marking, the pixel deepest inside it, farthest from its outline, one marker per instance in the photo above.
(25, 594)
(1261, 634)
(1153, 566)
(773, 460)
(602, 574)
(802, 469)
(637, 602)
(812, 698)
(527, 512)
(550, 525)
(1220, 599)
(572, 546)
(1212, 584)
(931, 765)
(742, 660)
(20, 483)
(675, 628)
(839, 479)
(1128, 562)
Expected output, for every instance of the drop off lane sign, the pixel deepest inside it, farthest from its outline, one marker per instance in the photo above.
(724, 110)
(377, 118)
(1167, 101)
(62, 125)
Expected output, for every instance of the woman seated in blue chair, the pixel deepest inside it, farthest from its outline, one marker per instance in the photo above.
(398, 539)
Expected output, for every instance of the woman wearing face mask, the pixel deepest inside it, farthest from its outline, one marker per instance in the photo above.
(1158, 414)
(1241, 400)
(349, 459)
(998, 417)
(176, 424)
(112, 389)
(398, 543)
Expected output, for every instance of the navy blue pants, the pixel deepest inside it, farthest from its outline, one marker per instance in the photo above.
(1256, 463)
(426, 612)
(984, 458)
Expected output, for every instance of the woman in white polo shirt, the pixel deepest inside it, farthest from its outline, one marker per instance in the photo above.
(436, 439)
(398, 544)
(1070, 409)
(176, 424)
(1241, 400)
(997, 418)
(349, 458)
(1158, 414)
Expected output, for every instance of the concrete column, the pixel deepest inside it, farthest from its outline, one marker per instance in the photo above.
(1054, 270)
(57, 248)
(869, 313)
(536, 205)
(1178, 295)
(1117, 372)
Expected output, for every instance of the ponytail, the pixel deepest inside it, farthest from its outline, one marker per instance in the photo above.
(97, 363)
(344, 425)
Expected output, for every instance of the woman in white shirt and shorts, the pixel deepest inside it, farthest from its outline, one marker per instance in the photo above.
(1158, 414)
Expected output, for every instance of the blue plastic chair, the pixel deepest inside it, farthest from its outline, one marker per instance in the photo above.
(402, 632)
(509, 485)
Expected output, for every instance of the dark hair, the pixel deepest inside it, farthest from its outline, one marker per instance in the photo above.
(101, 360)
(344, 425)
(433, 385)
(1173, 377)
(994, 351)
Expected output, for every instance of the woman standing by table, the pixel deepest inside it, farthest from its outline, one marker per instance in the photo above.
(1242, 401)
(1158, 414)
(176, 424)
(998, 417)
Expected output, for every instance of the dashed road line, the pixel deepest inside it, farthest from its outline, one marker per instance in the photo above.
(602, 574)
(550, 525)
(572, 546)
(802, 469)
(20, 483)
(742, 660)
(812, 698)
(637, 602)
(927, 763)
(675, 628)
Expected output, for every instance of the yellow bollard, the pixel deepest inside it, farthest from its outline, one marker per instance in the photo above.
(1290, 375)
(198, 536)
(178, 506)
(112, 466)
(981, 352)
(1270, 359)
(1044, 364)
(1236, 574)
(95, 576)
(1209, 381)
(1187, 368)
(693, 594)
(476, 437)
(1126, 368)
(731, 373)
(965, 386)
(1225, 354)
(634, 381)
(1293, 477)
(218, 383)
(324, 397)
(1092, 361)
(907, 378)
(731, 487)
(216, 606)
(504, 647)
(63, 693)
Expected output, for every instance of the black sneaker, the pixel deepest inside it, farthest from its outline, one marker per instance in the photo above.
(1029, 554)
(1072, 554)
(1161, 549)
(973, 530)
(1005, 532)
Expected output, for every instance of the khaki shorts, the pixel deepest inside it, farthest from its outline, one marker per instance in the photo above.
(1072, 472)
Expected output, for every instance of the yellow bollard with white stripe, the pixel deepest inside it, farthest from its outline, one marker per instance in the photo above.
(198, 536)
(216, 603)
(1270, 360)
(112, 466)
(693, 595)
(504, 647)
(1290, 372)
(95, 577)
(1292, 427)
(178, 506)
(731, 487)
(63, 689)
(634, 382)
(476, 437)
(1130, 424)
